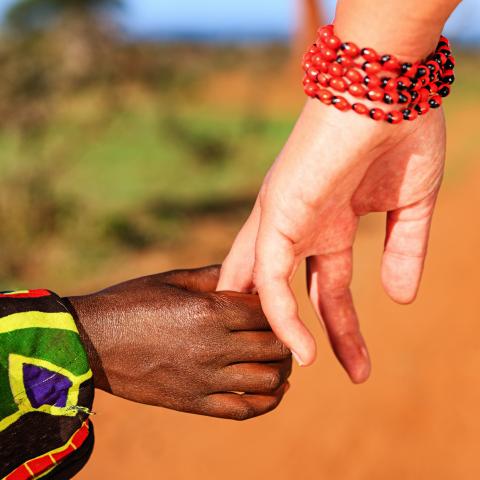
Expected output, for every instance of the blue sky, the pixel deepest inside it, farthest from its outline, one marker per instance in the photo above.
(149, 17)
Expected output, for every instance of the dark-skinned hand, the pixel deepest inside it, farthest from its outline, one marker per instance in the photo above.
(169, 340)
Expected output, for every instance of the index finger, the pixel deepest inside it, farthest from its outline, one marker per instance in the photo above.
(274, 266)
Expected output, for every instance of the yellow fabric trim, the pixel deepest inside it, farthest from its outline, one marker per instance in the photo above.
(20, 321)
(15, 369)
(16, 292)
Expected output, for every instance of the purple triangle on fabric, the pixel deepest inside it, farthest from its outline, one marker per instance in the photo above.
(45, 387)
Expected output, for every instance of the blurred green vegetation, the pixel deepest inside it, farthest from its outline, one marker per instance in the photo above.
(108, 146)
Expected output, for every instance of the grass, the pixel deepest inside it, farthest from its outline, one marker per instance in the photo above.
(107, 171)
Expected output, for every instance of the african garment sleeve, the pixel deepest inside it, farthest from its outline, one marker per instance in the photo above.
(46, 389)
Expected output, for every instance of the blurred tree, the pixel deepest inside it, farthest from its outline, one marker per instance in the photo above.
(27, 15)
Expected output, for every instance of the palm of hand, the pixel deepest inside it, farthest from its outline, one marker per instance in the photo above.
(309, 208)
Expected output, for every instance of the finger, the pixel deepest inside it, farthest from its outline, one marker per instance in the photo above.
(259, 378)
(237, 269)
(241, 407)
(203, 279)
(406, 243)
(242, 312)
(329, 278)
(257, 347)
(274, 266)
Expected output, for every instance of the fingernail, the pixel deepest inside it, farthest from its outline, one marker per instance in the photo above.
(297, 358)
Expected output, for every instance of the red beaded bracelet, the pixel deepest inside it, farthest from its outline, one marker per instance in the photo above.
(333, 67)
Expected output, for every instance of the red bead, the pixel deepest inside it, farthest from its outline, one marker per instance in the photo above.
(328, 54)
(377, 114)
(325, 32)
(333, 42)
(307, 65)
(316, 59)
(345, 61)
(372, 67)
(390, 98)
(369, 54)
(391, 85)
(423, 95)
(410, 114)
(307, 79)
(322, 79)
(375, 95)
(372, 81)
(433, 88)
(360, 108)
(323, 66)
(310, 89)
(336, 70)
(354, 75)
(341, 103)
(338, 84)
(313, 73)
(392, 65)
(412, 71)
(394, 117)
(350, 49)
(357, 90)
(403, 83)
(422, 108)
(434, 66)
(325, 96)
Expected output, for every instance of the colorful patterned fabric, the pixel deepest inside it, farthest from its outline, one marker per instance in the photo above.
(46, 389)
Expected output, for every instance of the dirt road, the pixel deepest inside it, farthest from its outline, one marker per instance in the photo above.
(417, 418)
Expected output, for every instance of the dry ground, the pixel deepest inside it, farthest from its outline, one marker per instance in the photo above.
(417, 418)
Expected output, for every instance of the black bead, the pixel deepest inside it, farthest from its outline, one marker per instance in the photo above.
(402, 98)
(335, 100)
(390, 118)
(372, 113)
(418, 109)
(446, 52)
(365, 66)
(413, 85)
(431, 67)
(363, 51)
(449, 79)
(366, 80)
(432, 77)
(401, 86)
(433, 103)
(384, 81)
(442, 44)
(437, 58)
(444, 91)
(406, 114)
(449, 65)
(385, 59)
(406, 67)
(388, 99)
(414, 95)
(421, 72)
(344, 46)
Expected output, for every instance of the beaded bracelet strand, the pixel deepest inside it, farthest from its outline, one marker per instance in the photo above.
(332, 67)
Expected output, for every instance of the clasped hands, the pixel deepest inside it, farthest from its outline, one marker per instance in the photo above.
(186, 341)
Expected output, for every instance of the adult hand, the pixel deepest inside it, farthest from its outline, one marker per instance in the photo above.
(335, 168)
(169, 340)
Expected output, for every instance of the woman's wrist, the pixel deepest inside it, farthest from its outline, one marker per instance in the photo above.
(409, 29)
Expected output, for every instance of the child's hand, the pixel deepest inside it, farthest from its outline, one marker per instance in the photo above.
(335, 168)
(169, 340)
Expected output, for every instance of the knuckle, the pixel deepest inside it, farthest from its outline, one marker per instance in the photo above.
(274, 381)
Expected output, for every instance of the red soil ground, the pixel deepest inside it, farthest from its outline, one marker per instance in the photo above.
(417, 418)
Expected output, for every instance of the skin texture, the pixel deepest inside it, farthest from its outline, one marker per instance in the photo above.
(335, 168)
(169, 340)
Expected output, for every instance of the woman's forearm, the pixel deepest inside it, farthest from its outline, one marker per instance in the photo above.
(408, 29)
